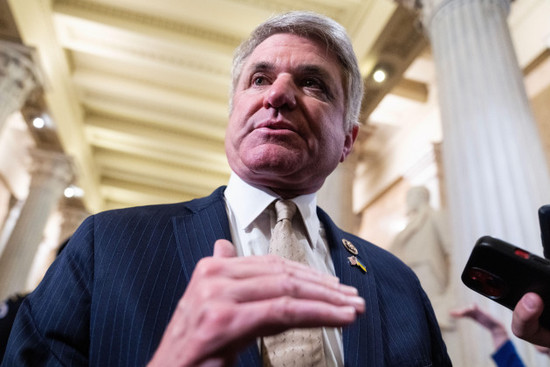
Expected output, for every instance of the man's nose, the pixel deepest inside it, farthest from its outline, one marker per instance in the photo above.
(281, 94)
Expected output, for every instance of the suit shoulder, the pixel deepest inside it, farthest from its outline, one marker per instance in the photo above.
(163, 210)
(145, 210)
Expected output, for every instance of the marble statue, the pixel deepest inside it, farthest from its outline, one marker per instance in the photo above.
(423, 245)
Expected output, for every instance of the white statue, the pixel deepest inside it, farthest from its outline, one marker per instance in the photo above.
(423, 245)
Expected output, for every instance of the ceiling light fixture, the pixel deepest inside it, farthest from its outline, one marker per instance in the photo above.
(73, 191)
(379, 75)
(69, 192)
(38, 122)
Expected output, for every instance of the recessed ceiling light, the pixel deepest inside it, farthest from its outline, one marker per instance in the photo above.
(379, 75)
(73, 191)
(38, 122)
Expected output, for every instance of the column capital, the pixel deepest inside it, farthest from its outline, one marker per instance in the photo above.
(20, 75)
(426, 9)
(50, 165)
(16, 56)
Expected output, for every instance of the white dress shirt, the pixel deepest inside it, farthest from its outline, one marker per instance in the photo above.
(251, 226)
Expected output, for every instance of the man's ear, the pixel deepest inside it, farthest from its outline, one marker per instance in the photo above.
(348, 142)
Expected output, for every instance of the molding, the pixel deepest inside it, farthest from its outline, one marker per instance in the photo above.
(143, 19)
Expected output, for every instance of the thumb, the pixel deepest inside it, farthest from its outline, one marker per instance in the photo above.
(526, 315)
(224, 248)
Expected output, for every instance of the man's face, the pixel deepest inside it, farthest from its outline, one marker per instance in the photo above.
(286, 130)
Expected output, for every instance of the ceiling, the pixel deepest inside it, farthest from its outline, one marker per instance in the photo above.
(137, 90)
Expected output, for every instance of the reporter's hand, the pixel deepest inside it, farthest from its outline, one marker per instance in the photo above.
(495, 327)
(230, 301)
(525, 320)
(483, 318)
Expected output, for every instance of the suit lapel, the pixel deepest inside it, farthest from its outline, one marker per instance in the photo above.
(204, 222)
(196, 231)
(362, 339)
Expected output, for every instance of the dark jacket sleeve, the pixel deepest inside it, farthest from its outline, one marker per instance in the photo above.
(440, 356)
(52, 325)
(507, 356)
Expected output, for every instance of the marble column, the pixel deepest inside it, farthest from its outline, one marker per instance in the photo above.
(73, 213)
(51, 173)
(495, 171)
(19, 76)
(336, 195)
(60, 226)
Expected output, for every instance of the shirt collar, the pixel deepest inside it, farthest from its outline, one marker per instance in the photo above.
(247, 202)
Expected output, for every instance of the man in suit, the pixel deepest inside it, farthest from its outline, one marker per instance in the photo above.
(192, 284)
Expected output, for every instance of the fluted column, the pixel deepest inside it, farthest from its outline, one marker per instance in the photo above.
(495, 171)
(18, 78)
(69, 215)
(51, 173)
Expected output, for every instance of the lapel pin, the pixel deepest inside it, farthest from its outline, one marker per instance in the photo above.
(354, 262)
(350, 247)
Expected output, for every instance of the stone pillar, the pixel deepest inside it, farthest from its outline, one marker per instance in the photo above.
(336, 195)
(495, 172)
(18, 77)
(73, 213)
(60, 226)
(51, 173)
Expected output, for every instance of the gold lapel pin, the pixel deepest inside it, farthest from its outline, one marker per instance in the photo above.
(350, 247)
(354, 262)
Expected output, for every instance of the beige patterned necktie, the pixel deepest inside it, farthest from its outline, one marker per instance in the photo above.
(295, 347)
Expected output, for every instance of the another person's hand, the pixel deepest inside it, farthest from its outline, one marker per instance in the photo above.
(497, 329)
(230, 301)
(525, 321)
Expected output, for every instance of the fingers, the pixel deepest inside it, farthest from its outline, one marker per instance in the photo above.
(272, 317)
(224, 327)
(230, 301)
(468, 311)
(283, 285)
(254, 266)
(258, 278)
(483, 318)
(525, 320)
(224, 248)
(526, 315)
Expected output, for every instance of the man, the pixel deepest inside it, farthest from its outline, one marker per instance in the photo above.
(114, 297)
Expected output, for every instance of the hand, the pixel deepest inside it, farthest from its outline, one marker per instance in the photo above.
(230, 301)
(525, 320)
(497, 329)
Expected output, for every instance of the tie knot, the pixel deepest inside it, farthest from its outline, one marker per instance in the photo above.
(285, 209)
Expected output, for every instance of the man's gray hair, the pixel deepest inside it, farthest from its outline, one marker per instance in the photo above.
(321, 29)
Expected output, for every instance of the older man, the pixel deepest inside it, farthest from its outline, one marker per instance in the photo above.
(164, 285)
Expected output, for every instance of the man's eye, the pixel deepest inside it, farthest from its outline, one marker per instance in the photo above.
(316, 87)
(259, 80)
(313, 83)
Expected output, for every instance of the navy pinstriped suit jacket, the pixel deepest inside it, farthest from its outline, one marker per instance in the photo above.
(109, 296)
